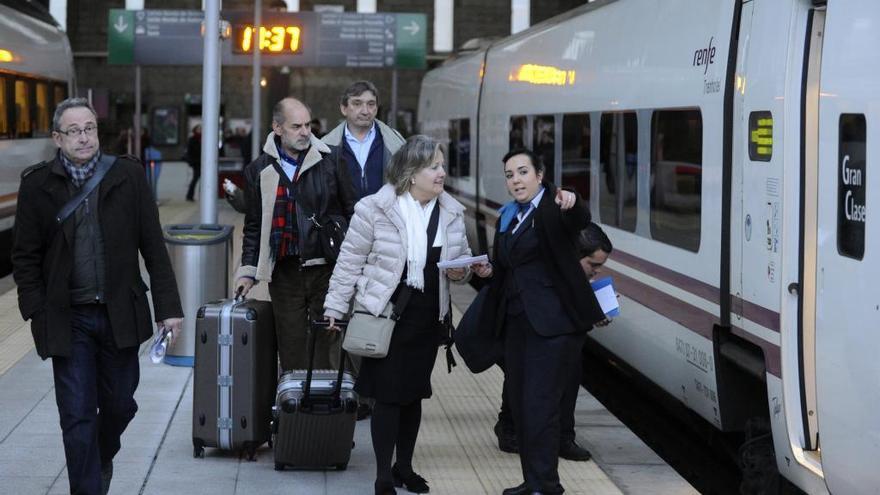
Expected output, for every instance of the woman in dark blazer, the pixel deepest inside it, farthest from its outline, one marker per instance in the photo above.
(540, 301)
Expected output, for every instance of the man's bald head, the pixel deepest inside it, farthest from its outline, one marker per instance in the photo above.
(286, 105)
(290, 122)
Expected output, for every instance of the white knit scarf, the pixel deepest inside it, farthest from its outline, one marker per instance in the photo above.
(416, 219)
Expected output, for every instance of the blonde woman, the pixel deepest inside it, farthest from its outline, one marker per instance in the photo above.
(393, 244)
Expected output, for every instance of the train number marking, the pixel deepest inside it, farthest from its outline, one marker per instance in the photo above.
(693, 355)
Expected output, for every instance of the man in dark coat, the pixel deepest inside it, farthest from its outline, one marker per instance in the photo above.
(79, 284)
(294, 191)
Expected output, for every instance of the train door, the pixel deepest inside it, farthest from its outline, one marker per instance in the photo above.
(759, 156)
(773, 202)
(847, 309)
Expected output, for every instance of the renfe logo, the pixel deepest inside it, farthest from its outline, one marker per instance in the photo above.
(705, 56)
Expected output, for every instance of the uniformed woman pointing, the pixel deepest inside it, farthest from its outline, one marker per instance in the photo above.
(541, 302)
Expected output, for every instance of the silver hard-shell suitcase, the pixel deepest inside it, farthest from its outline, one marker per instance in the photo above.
(314, 415)
(234, 377)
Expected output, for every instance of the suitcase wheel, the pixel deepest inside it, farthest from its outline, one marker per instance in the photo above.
(342, 467)
(279, 466)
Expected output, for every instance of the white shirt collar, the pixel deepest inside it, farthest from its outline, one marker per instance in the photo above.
(537, 199)
(367, 138)
(534, 202)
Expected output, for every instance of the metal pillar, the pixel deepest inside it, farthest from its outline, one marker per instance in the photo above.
(210, 113)
(256, 117)
(392, 119)
(136, 139)
(443, 16)
(520, 15)
(366, 6)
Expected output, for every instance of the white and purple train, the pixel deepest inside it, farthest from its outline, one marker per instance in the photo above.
(723, 145)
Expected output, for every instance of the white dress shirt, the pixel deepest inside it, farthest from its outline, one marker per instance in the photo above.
(361, 149)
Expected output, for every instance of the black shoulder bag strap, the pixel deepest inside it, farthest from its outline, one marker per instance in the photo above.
(104, 164)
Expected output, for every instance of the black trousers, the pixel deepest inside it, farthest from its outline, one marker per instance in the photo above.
(538, 373)
(197, 173)
(94, 391)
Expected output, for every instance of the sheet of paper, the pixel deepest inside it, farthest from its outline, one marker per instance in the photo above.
(463, 262)
(604, 289)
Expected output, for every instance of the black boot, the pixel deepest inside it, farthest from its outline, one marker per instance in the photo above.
(414, 483)
(384, 488)
(574, 452)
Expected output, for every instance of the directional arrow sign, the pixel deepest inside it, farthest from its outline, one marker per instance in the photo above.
(412, 29)
(411, 41)
(120, 26)
(120, 36)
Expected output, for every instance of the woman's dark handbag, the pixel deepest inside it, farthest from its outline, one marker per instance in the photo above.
(331, 231)
(478, 346)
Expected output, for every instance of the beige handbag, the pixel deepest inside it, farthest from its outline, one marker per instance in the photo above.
(368, 335)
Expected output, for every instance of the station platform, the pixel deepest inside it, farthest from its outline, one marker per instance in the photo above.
(456, 452)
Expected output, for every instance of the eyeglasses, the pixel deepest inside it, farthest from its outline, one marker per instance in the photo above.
(89, 130)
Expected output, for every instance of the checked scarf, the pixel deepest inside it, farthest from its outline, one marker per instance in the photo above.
(284, 236)
(80, 174)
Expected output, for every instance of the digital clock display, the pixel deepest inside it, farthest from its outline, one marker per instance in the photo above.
(273, 39)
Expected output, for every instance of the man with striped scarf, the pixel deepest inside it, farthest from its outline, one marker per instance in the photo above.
(292, 190)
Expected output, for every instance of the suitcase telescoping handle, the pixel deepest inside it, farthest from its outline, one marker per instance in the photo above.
(307, 388)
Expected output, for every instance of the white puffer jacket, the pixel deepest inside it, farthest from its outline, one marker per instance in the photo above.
(373, 255)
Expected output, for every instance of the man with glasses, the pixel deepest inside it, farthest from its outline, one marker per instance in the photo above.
(82, 219)
(367, 143)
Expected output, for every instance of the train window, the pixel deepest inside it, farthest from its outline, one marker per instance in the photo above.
(42, 108)
(676, 177)
(851, 179)
(60, 95)
(517, 136)
(760, 136)
(618, 166)
(576, 153)
(459, 160)
(544, 142)
(4, 109)
(22, 108)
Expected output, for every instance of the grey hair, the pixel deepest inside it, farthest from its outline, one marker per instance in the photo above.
(278, 110)
(67, 105)
(358, 88)
(417, 153)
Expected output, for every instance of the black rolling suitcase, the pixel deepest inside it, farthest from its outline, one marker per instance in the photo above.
(314, 415)
(235, 376)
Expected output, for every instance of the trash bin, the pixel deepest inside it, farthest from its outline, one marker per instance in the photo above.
(201, 258)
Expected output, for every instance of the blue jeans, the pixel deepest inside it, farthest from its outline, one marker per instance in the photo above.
(94, 391)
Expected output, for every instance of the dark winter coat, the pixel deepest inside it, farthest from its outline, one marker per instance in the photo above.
(42, 255)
